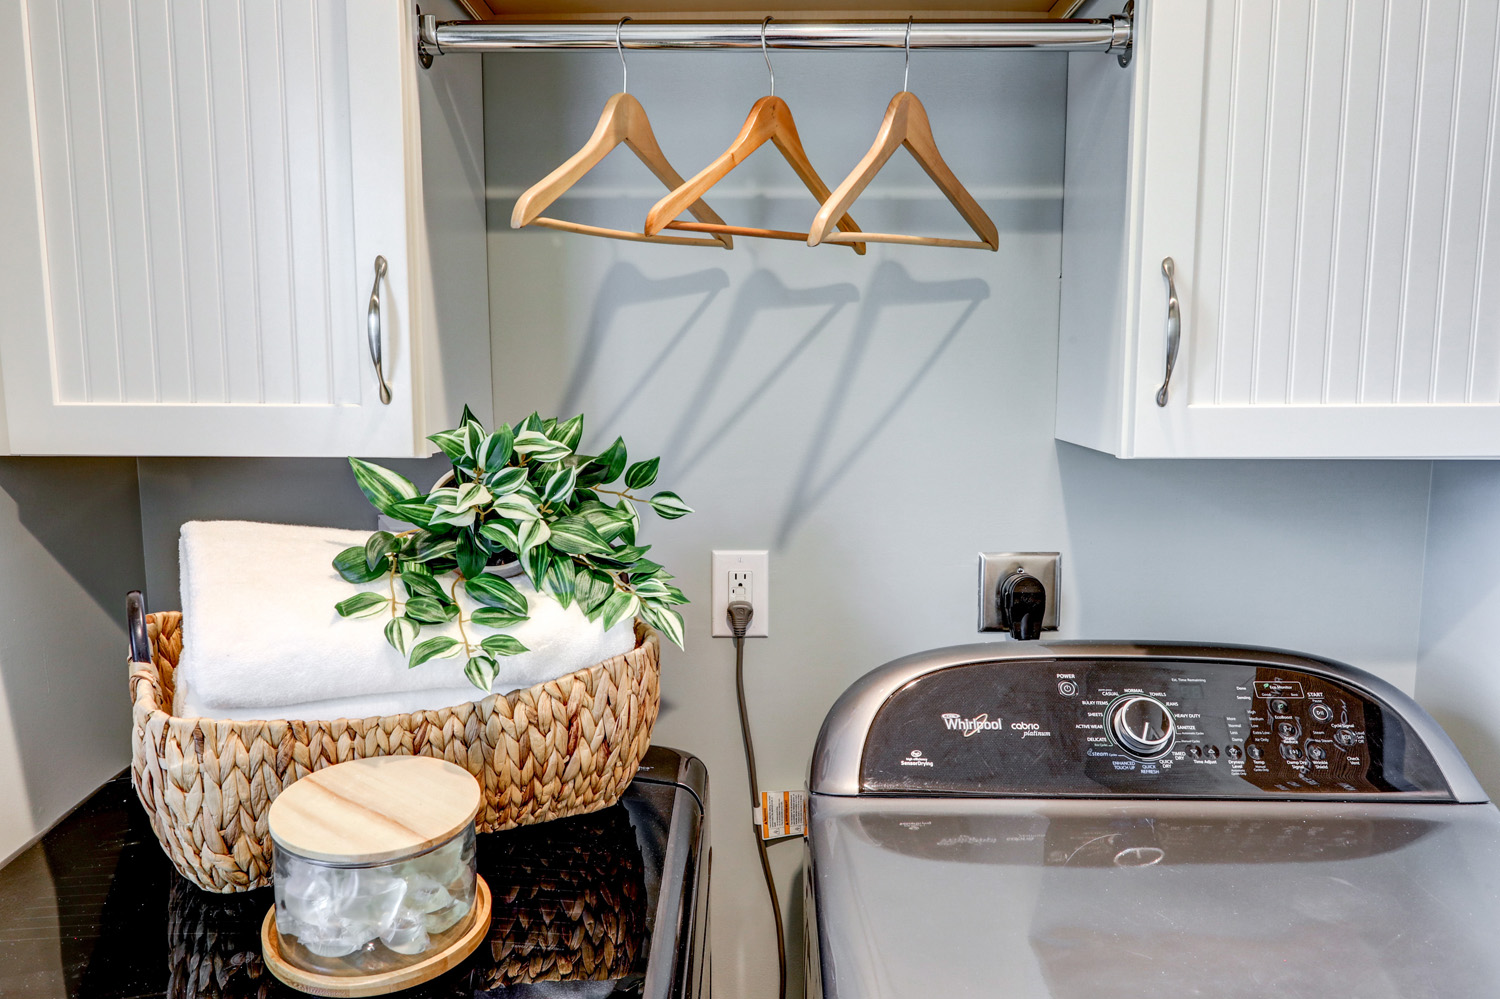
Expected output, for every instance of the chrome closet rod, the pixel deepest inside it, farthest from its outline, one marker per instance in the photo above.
(1111, 34)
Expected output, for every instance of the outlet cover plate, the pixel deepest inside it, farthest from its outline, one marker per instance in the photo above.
(997, 566)
(759, 564)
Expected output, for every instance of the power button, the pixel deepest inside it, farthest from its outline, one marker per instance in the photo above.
(1067, 688)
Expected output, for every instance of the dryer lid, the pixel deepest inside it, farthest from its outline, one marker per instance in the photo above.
(1087, 898)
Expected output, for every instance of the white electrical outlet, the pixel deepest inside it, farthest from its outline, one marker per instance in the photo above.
(741, 575)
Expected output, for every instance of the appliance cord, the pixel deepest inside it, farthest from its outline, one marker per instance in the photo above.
(739, 614)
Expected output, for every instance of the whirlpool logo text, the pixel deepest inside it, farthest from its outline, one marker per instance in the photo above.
(969, 726)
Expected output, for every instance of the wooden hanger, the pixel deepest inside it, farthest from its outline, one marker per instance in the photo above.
(905, 124)
(623, 121)
(770, 120)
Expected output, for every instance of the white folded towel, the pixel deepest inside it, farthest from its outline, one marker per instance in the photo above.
(261, 638)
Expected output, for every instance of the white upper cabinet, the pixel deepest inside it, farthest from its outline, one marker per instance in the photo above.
(194, 194)
(1325, 177)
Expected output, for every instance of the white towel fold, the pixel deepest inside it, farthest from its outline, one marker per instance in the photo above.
(261, 638)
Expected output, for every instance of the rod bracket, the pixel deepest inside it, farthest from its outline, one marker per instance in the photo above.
(427, 43)
(1123, 39)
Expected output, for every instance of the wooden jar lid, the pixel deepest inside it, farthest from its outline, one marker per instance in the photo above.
(375, 810)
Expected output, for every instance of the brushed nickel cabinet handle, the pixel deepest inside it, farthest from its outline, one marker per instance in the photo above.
(1174, 328)
(373, 320)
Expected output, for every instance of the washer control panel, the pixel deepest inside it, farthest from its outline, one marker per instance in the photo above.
(1142, 727)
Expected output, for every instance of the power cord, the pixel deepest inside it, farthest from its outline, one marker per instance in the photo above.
(739, 613)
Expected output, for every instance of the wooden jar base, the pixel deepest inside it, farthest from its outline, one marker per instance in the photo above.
(385, 982)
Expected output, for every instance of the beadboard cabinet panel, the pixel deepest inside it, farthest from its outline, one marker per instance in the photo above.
(1340, 289)
(212, 182)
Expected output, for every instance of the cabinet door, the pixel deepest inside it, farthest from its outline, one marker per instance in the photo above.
(200, 191)
(1326, 177)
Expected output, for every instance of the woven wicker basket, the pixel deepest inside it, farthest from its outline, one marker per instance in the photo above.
(560, 748)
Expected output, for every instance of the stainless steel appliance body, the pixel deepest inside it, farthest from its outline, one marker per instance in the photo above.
(1084, 819)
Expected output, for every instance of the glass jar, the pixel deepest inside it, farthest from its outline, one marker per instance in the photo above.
(374, 866)
(369, 919)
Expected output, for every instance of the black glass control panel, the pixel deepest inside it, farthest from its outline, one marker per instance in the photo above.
(1152, 728)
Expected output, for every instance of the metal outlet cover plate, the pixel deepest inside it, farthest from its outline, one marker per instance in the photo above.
(997, 566)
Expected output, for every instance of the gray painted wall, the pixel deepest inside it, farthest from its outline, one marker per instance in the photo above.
(1456, 676)
(873, 421)
(877, 421)
(70, 549)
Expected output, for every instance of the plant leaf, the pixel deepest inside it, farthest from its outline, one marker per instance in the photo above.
(457, 518)
(501, 533)
(468, 417)
(568, 433)
(650, 589)
(591, 588)
(481, 672)
(536, 561)
(426, 610)
(363, 604)
(665, 620)
(669, 506)
(619, 606)
(431, 546)
(607, 467)
(503, 645)
(381, 486)
(494, 617)
(496, 450)
(413, 511)
(647, 569)
(641, 474)
(630, 518)
(465, 497)
(474, 436)
(516, 506)
(450, 442)
(560, 581)
(400, 632)
(492, 591)
(576, 536)
(377, 547)
(557, 485)
(471, 557)
(505, 480)
(540, 447)
(624, 557)
(433, 648)
(351, 565)
(531, 534)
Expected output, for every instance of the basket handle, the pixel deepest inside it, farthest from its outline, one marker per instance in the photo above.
(135, 616)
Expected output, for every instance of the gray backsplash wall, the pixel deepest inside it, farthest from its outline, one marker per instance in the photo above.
(873, 421)
(1456, 676)
(70, 548)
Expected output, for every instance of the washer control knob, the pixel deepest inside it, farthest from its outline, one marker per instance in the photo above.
(1142, 726)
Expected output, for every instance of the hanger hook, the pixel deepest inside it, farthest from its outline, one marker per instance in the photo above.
(765, 53)
(906, 77)
(620, 48)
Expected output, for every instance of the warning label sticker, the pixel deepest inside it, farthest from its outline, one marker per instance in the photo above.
(782, 813)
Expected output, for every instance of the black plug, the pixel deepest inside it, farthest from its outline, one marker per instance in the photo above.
(739, 613)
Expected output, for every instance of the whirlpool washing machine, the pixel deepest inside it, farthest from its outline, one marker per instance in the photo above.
(1082, 820)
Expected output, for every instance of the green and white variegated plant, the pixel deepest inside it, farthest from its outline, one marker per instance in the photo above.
(516, 494)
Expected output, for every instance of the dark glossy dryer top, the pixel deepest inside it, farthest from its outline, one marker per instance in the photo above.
(602, 904)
